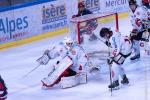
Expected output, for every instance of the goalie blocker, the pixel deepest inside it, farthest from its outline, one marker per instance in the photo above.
(64, 74)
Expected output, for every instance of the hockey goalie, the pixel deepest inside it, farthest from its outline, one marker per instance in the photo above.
(69, 67)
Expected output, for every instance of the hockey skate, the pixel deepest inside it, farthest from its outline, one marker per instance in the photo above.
(136, 57)
(125, 80)
(114, 85)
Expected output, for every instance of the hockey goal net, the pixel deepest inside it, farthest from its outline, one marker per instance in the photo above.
(85, 30)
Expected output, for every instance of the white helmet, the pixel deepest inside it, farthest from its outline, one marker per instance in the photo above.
(68, 41)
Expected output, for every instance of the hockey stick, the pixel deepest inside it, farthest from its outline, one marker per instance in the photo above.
(36, 66)
(110, 70)
(88, 62)
(31, 71)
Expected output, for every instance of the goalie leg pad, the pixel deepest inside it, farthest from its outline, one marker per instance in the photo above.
(67, 82)
(55, 76)
(82, 77)
(71, 81)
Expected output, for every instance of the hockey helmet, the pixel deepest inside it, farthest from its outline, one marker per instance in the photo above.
(81, 5)
(68, 41)
(104, 31)
(145, 2)
(132, 2)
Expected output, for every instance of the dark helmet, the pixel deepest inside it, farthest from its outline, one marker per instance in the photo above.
(145, 1)
(105, 30)
(132, 2)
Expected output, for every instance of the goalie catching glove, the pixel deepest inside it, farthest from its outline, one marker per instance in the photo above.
(44, 59)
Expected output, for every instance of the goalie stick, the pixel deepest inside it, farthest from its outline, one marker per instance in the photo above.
(110, 70)
(89, 63)
(31, 71)
(36, 66)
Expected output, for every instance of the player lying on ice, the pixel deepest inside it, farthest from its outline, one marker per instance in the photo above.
(120, 49)
(68, 70)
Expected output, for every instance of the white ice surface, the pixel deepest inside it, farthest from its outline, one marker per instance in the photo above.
(18, 61)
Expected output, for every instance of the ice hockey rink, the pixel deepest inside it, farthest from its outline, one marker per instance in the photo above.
(18, 61)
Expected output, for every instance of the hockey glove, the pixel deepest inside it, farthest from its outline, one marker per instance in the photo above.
(133, 34)
(138, 22)
(145, 24)
(43, 60)
(143, 39)
(46, 52)
(108, 44)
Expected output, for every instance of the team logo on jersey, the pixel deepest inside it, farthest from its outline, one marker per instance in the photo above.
(114, 42)
(141, 44)
(73, 52)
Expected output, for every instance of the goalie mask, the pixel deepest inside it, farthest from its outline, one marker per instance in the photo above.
(68, 41)
(105, 33)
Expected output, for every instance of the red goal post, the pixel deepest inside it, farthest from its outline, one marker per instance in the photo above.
(103, 20)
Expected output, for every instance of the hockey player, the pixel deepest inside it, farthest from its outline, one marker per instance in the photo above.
(3, 89)
(139, 21)
(82, 10)
(67, 70)
(90, 25)
(146, 6)
(146, 3)
(120, 50)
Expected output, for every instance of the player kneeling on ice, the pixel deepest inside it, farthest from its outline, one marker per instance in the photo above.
(68, 67)
(120, 49)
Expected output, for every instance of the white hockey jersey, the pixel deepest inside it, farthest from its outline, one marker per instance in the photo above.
(58, 52)
(148, 14)
(120, 44)
(138, 16)
(75, 53)
(78, 57)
